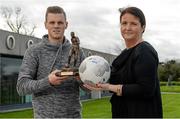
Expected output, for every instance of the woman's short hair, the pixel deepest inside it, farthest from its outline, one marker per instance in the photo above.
(134, 11)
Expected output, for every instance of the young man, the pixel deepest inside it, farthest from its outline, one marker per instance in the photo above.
(52, 96)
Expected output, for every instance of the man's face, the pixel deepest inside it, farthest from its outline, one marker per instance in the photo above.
(56, 25)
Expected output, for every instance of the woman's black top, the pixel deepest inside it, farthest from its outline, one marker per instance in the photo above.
(136, 68)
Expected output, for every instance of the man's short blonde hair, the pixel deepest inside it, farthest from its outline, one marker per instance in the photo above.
(55, 10)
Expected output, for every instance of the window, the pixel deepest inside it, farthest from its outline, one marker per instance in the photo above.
(9, 69)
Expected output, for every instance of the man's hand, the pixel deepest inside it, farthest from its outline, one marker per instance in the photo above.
(56, 80)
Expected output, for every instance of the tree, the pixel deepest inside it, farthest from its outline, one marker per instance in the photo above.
(169, 70)
(16, 21)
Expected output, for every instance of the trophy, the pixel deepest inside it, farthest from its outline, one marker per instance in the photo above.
(70, 68)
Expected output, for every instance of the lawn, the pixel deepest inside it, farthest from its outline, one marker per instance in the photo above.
(171, 105)
(101, 108)
(170, 89)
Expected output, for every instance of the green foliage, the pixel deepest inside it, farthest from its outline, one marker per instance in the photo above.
(173, 83)
(168, 68)
(163, 83)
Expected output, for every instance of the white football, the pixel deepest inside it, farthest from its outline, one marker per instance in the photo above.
(94, 69)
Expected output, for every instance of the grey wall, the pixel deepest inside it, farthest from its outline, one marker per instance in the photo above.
(20, 43)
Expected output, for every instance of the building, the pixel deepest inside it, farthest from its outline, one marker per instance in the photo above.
(12, 49)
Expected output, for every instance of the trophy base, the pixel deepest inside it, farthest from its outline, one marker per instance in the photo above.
(68, 72)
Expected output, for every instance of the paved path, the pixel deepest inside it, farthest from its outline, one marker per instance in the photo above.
(170, 93)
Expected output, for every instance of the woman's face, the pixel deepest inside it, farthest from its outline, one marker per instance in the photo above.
(131, 28)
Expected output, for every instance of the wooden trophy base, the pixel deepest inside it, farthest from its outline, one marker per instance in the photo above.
(68, 72)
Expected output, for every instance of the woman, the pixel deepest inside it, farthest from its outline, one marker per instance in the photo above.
(134, 76)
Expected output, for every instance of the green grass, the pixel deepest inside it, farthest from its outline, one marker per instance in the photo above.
(170, 89)
(171, 105)
(101, 108)
(18, 114)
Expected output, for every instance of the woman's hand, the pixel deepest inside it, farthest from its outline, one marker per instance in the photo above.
(92, 87)
(110, 87)
(97, 87)
(103, 86)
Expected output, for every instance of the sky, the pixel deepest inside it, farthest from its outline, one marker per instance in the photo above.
(96, 22)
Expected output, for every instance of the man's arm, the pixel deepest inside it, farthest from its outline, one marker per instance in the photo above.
(27, 82)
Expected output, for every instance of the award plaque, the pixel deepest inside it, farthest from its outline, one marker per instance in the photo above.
(68, 72)
(70, 68)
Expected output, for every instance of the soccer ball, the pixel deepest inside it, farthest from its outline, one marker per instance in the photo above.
(94, 69)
